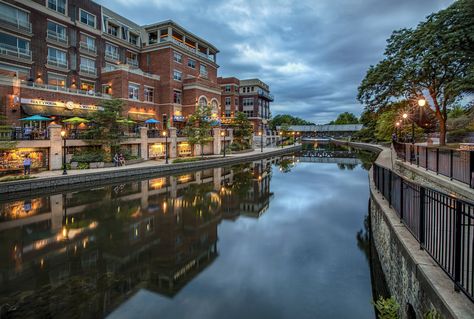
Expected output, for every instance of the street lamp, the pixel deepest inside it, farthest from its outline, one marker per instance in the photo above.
(63, 135)
(397, 125)
(421, 102)
(405, 116)
(261, 141)
(294, 140)
(281, 138)
(165, 134)
(223, 135)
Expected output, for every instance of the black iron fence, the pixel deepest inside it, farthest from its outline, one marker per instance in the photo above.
(455, 164)
(441, 223)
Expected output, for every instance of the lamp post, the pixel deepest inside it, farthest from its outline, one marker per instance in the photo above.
(405, 116)
(397, 126)
(165, 134)
(223, 135)
(294, 138)
(281, 139)
(264, 121)
(63, 135)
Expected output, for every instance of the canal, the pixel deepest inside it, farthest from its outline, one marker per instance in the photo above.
(278, 238)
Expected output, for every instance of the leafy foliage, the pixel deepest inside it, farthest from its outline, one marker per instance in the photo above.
(242, 131)
(198, 127)
(288, 119)
(387, 308)
(434, 61)
(345, 118)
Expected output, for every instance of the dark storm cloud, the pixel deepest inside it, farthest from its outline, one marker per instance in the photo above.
(312, 53)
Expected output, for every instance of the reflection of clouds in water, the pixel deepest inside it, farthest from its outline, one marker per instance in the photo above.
(299, 260)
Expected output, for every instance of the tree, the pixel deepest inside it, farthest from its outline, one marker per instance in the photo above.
(106, 127)
(288, 119)
(433, 62)
(243, 129)
(346, 118)
(198, 128)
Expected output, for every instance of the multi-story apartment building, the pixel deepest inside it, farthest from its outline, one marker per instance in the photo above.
(251, 97)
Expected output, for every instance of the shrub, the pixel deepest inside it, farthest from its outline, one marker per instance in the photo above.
(82, 165)
(89, 156)
(188, 159)
(387, 308)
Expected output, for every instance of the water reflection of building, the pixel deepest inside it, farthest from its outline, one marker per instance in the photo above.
(94, 248)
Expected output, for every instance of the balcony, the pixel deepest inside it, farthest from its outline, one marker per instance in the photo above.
(132, 62)
(112, 55)
(127, 68)
(88, 48)
(62, 89)
(58, 63)
(88, 70)
(14, 52)
(57, 37)
(266, 95)
(184, 46)
(15, 23)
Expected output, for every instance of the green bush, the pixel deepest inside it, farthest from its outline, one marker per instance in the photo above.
(128, 154)
(89, 156)
(387, 308)
(82, 165)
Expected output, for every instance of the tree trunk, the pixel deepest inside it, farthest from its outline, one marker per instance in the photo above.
(442, 132)
(202, 150)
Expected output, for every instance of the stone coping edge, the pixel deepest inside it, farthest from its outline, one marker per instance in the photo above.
(55, 181)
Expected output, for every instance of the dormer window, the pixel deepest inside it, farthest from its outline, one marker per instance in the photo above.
(113, 30)
(133, 39)
(87, 18)
(57, 5)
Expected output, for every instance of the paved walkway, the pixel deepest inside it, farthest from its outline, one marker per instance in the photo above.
(149, 163)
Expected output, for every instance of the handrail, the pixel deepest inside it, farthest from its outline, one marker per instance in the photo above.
(443, 224)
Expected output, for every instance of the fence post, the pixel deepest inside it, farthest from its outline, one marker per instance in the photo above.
(471, 170)
(401, 200)
(390, 188)
(426, 158)
(457, 246)
(451, 156)
(383, 183)
(417, 156)
(437, 161)
(421, 226)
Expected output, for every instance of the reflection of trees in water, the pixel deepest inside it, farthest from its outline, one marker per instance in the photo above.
(201, 201)
(349, 167)
(286, 165)
(367, 158)
(242, 180)
(363, 238)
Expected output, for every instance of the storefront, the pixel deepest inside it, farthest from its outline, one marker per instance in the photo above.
(156, 150)
(184, 149)
(11, 161)
(57, 110)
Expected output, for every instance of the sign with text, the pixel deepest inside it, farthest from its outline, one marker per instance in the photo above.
(68, 105)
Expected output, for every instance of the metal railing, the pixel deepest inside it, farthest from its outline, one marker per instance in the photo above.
(112, 55)
(87, 47)
(55, 36)
(14, 22)
(88, 70)
(154, 133)
(132, 62)
(63, 89)
(19, 134)
(9, 50)
(441, 223)
(455, 164)
(57, 62)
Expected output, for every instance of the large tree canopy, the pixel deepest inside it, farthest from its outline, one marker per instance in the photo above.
(288, 119)
(346, 118)
(433, 62)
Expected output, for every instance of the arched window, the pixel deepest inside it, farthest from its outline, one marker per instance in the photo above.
(202, 102)
(214, 106)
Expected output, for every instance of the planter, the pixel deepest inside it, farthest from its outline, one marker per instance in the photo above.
(96, 165)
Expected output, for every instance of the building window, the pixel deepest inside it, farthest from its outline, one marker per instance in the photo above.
(236, 102)
(87, 18)
(111, 51)
(133, 39)
(227, 88)
(191, 63)
(18, 18)
(87, 42)
(133, 91)
(88, 86)
(177, 97)
(202, 102)
(247, 102)
(214, 106)
(149, 92)
(88, 65)
(56, 32)
(57, 57)
(248, 113)
(227, 101)
(57, 5)
(12, 45)
(113, 30)
(178, 57)
(227, 113)
(177, 75)
(132, 59)
(106, 89)
(57, 81)
(203, 70)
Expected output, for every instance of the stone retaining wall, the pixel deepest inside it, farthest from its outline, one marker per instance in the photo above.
(132, 173)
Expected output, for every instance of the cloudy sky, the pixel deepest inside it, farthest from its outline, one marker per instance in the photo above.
(312, 53)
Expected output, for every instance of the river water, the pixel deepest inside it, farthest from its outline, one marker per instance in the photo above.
(277, 238)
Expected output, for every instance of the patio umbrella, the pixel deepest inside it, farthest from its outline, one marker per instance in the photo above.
(76, 120)
(126, 121)
(152, 121)
(36, 118)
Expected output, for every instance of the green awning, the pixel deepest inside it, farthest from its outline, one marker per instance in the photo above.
(54, 111)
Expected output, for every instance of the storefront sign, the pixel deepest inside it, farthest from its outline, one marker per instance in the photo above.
(70, 105)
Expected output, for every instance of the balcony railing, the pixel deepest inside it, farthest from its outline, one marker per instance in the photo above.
(112, 55)
(184, 46)
(52, 61)
(63, 89)
(58, 37)
(15, 52)
(266, 95)
(12, 21)
(128, 69)
(132, 62)
(88, 47)
(88, 70)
